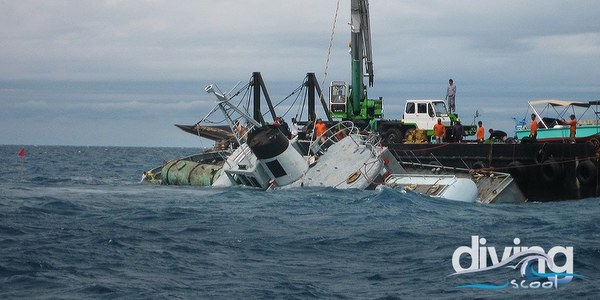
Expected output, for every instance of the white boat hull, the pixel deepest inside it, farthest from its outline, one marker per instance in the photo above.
(439, 186)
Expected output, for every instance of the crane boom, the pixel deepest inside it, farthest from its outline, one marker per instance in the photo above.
(360, 16)
(350, 102)
(361, 50)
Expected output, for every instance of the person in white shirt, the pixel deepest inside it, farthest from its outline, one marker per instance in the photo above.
(450, 96)
(294, 128)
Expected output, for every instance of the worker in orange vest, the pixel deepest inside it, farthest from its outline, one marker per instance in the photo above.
(480, 132)
(439, 131)
(320, 129)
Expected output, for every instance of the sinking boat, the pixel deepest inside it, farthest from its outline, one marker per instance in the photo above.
(491, 187)
(342, 157)
(199, 169)
(260, 156)
(266, 159)
(439, 186)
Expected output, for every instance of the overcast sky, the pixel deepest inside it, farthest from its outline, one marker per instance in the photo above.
(121, 73)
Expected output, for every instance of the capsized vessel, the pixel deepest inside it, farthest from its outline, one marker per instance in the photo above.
(341, 157)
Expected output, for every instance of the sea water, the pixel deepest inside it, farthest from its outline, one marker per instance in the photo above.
(76, 223)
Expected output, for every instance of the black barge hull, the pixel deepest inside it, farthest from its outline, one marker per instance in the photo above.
(543, 171)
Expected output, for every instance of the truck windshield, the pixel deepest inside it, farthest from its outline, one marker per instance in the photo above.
(440, 109)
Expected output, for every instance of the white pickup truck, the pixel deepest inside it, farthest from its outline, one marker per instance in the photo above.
(425, 113)
(419, 114)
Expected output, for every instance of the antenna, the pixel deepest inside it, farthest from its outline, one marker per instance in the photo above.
(475, 116)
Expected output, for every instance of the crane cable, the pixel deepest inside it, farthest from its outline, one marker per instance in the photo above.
(337, 8)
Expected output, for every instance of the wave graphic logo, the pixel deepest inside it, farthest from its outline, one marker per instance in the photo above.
(531, 262)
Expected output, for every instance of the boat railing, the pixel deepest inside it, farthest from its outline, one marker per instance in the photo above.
(373, 139)
(343, 130)
(334, 134)
(438, 186)
(240, 131)
(233, 114)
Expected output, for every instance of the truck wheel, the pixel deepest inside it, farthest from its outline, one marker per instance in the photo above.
(393, 136)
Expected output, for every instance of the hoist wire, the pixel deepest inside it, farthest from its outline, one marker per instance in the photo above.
(337, 8)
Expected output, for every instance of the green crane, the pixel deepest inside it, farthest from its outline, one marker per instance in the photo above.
(352, 102)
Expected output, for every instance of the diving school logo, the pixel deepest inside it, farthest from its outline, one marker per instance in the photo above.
(537, 268)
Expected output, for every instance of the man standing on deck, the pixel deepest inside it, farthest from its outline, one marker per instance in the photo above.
(294, 129)
(480, 132)
(572, 129)
(458, 131)
(320, 129)
(282, 126)
(439, 131)
(533, 128)
(450, 96)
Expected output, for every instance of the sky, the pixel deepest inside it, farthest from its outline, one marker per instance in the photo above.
(121, 73)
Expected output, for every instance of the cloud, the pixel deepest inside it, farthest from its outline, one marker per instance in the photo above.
(143, 40)
(568, 45)
(90, 40)
(150, 60)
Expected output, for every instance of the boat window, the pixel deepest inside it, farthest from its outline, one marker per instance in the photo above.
(422, 108)
(410, 108)
(253, 181)
(241, 179)
(276, 168)
(431, 111)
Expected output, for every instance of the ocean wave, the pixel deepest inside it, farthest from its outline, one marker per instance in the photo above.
(70, 232)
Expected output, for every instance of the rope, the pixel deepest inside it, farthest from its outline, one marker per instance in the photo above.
(299, 88)
(301, 109)
(564, 161)
(542, 163)
(419, 150)
(337, 8)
